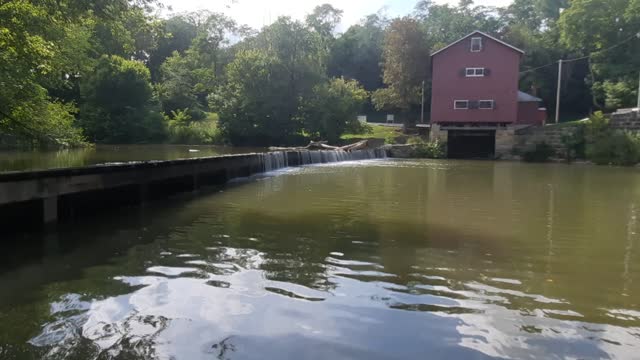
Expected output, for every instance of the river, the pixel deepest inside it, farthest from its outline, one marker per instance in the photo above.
(378, 259)
(109, 154)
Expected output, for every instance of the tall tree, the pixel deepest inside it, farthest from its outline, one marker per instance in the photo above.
(445, 23)
(333, 108)
(300, 52)
(357, 54)
(323, 21)
(177, 34)
(118, 104)
(188, 77)
(406, 66)
(607, 33)
(253, 104)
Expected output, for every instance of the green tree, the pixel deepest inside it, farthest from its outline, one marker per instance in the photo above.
(606, 146)
(33, 38)
(607, 32)
(445, 24)
(333, 108)
(406, 66)
(177, 34)
(213, 31)
(357, 54)
(254, 104)
(181, 87)
(118, 105)
(323, 21)
(187, 78)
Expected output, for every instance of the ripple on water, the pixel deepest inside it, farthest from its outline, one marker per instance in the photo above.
(172, 271)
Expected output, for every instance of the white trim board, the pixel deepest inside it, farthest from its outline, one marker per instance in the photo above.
(483, 34)
(457, 108)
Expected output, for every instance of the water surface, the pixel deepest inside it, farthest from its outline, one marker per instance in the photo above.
(382, 259)
(106, 154)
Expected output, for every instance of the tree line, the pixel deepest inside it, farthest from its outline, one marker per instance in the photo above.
(74, 71)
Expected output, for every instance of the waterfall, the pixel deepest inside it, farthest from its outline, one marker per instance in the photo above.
(280, 159)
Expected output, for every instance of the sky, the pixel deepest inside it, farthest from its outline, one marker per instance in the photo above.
(257, 13)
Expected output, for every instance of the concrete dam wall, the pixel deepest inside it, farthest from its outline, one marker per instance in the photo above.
(48, 196)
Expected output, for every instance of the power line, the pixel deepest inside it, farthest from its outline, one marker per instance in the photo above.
(537, 68)
(583, 57)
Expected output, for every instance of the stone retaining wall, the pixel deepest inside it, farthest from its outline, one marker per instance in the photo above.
(625, 119)
(526, 139)
(505, 140)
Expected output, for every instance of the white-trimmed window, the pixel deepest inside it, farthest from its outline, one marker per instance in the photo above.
(476, 44)
(486, 104)
(461, 104)
(474, 72)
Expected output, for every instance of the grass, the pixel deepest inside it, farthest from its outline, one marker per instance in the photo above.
(377, 132)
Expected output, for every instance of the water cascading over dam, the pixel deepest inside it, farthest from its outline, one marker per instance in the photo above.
(46, 196)
(281, 159)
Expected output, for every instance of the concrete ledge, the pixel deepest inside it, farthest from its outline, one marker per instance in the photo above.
(50, 191)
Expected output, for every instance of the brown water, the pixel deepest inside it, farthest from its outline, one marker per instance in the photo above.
(106, 154)
(376, 259)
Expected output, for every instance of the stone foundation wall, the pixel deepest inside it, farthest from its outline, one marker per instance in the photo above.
(527, 139)
(625, 119)
(400, 151)
(505, 141)
(436, 132)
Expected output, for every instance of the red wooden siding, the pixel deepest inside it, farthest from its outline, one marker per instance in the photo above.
(450, 83)
(530, 113)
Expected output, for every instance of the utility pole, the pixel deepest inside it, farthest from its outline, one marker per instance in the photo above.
(422, 109)
(558, 91)
(638, 36)
(638, 93)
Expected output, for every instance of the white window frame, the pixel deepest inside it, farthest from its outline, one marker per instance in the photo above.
(479, 39)
(455, 105)
(493, 104)
(475, 72)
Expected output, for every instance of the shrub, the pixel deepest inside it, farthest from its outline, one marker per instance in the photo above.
(183, 130)
(574, 144)
(619, 148)
(332, 109)
(390, 138)
(606, 146)
(541, 152)
(435, 149)
(118, 103)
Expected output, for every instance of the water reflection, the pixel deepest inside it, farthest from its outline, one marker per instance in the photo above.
(364, 260)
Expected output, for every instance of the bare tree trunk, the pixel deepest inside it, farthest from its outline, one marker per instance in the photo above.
(322, 145)
(408, 121)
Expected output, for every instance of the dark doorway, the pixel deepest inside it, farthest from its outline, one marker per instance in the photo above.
(471, 144)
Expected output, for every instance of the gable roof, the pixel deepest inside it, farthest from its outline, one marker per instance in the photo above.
(524, 97)
(483, 34)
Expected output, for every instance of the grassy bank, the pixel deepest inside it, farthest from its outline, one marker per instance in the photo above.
(183, 130)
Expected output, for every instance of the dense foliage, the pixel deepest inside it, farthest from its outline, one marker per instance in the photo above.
(540, 152)
(117, 103)
(114, 71)
(406, 66)
(607, 146)
(435, 149)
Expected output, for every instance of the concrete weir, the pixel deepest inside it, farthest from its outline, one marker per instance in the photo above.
(48, 196)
